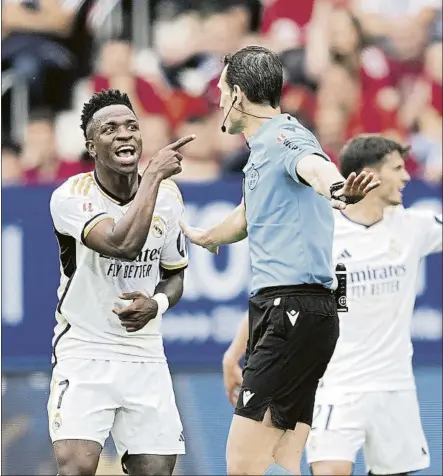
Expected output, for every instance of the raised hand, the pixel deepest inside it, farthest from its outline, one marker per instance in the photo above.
(167, 161)
(354, 189)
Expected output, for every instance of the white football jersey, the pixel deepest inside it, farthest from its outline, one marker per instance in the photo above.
(91, 283)
(374, 350)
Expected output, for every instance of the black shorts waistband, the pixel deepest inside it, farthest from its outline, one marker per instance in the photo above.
(278, 291)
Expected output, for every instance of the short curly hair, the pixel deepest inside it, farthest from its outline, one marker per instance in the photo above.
(100, 100)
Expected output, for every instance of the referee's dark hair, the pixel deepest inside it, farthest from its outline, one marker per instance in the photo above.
(368, 151)
(258, 72)
(100, 100)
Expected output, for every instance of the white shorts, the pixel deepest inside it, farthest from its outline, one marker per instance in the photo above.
(133, 400)
(386, 424)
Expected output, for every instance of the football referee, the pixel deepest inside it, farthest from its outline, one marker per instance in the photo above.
(289, 187)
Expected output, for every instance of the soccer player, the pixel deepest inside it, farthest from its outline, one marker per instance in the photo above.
(122, 257)
(367, 396)
(286, 211)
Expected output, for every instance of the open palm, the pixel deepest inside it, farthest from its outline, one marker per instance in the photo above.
(355, 188)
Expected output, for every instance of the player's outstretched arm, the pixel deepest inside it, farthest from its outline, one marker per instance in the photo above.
(126, 238)
(427, 227)
(324, 178)
(232, 373)
(231, 230)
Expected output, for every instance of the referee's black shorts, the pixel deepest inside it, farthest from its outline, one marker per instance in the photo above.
(292, 335)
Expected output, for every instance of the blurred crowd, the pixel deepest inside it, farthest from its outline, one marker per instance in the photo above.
(351, 66)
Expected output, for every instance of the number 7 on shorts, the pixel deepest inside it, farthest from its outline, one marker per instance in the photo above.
(65, 385)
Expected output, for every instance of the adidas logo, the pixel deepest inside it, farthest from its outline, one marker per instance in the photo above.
(181, 437)
(423, 451)
(344, 254)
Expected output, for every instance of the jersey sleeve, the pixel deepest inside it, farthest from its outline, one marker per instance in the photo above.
(73, 212)
(428, 227)
(294, 143)
(174, 254)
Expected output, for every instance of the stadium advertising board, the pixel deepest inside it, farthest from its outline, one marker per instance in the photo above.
(199, 328)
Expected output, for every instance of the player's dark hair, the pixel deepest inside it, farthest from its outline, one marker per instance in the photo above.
(258, 72)
(368, 151)
(100, 100)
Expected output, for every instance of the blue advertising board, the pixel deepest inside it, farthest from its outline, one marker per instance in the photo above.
(200, 327)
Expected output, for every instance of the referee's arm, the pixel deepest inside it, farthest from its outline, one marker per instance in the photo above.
(231, 230)
(324, 177)
(232, 373)
(319, 173)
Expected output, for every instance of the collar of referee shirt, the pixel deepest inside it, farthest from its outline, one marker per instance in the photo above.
(276, 120)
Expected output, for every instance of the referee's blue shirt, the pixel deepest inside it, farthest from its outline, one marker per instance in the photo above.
(290, 226)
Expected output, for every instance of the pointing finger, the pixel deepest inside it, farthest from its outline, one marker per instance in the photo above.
(181, 142)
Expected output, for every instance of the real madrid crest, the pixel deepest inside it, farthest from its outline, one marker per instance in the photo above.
(157, 227)
(252, 179)
(395, 247)
(57, 422)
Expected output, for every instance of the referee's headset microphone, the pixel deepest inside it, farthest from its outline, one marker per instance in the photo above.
(223, 127)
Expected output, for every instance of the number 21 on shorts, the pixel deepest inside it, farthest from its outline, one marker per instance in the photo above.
(322, 417)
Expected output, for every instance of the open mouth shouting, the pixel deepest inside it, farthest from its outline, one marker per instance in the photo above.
(126, 154)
